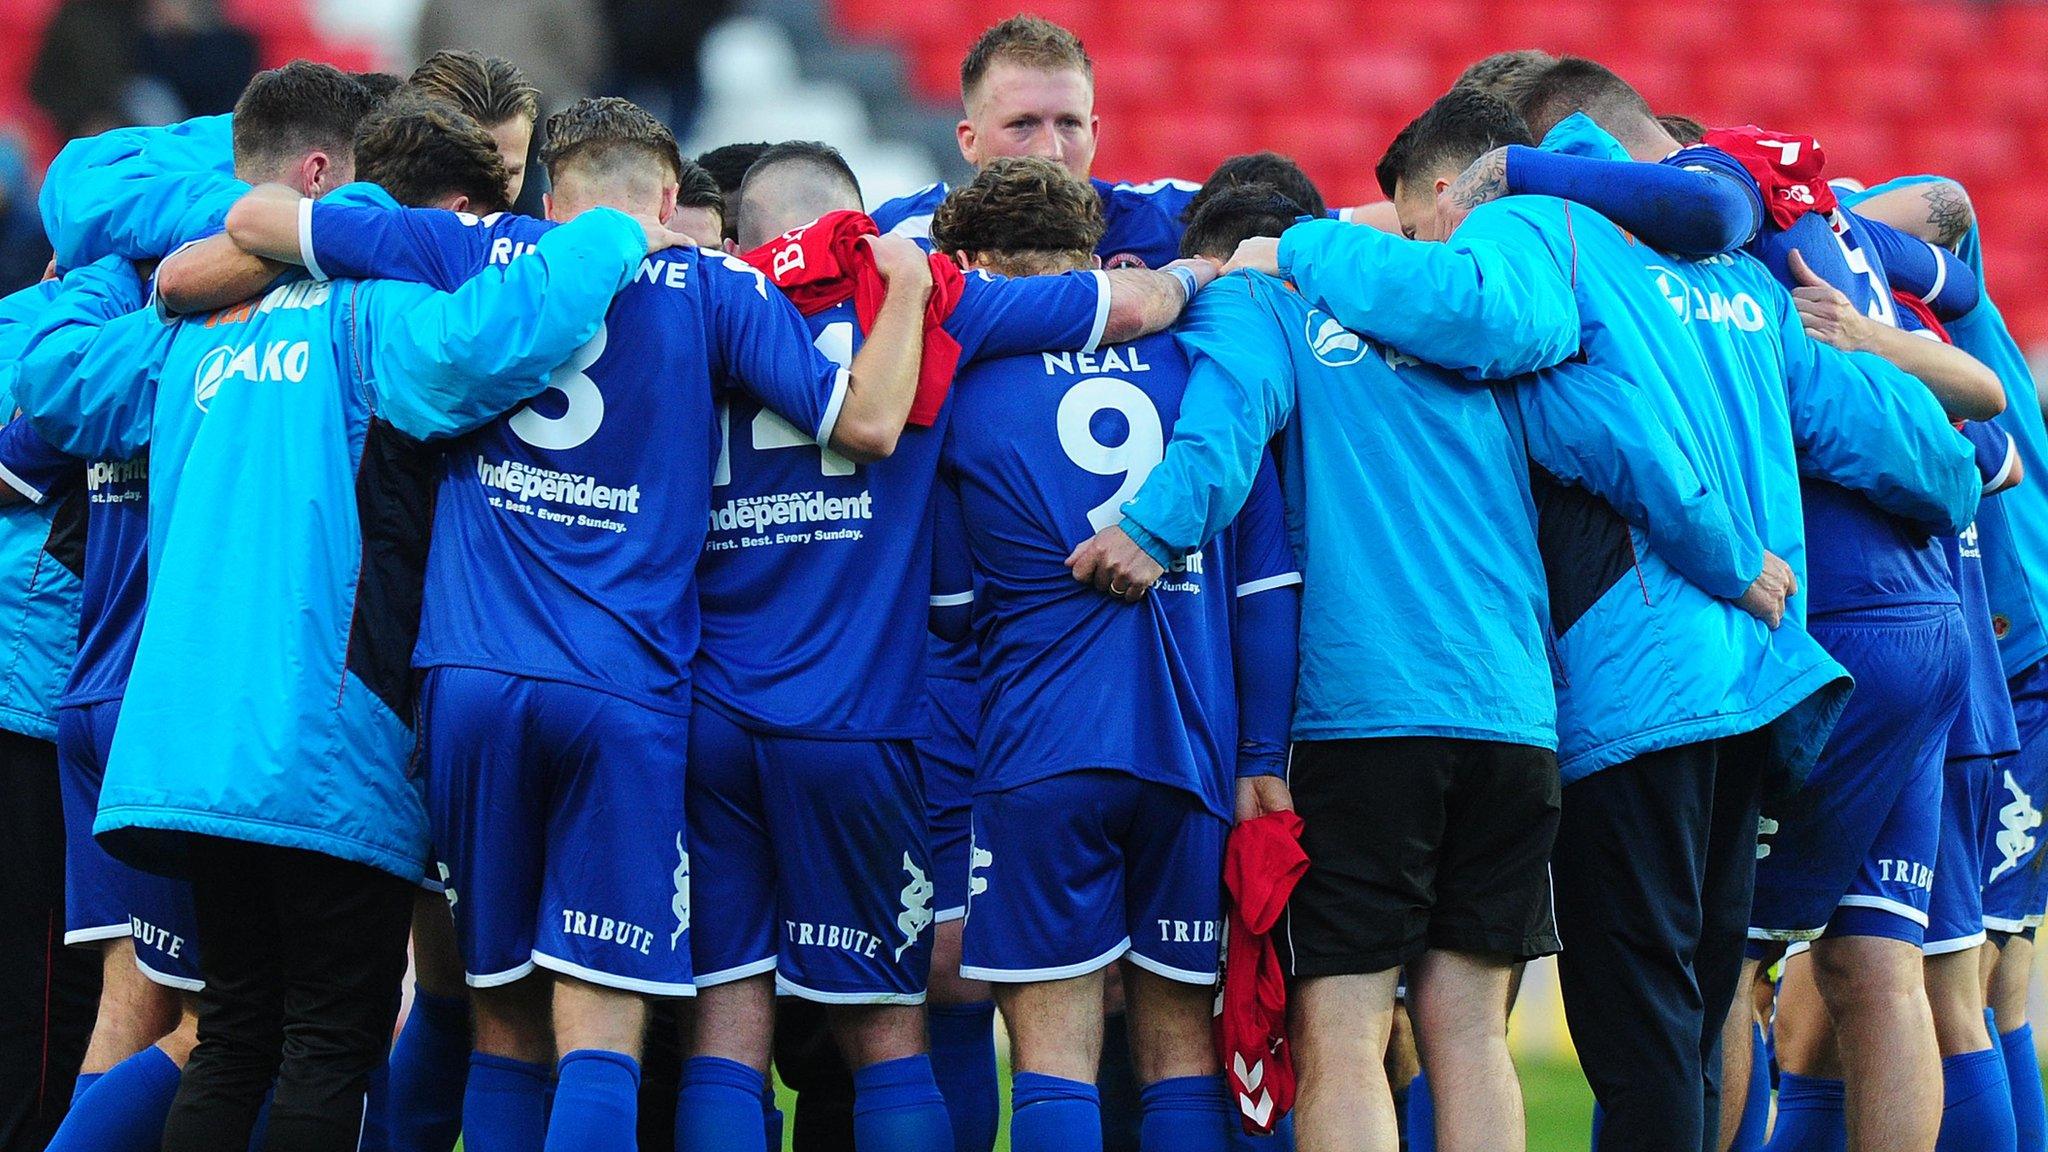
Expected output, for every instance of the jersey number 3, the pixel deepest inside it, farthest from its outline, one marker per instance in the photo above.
(585, 412)
(1133, 458)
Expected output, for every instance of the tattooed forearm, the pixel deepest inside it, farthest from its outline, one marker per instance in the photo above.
(1948, 211)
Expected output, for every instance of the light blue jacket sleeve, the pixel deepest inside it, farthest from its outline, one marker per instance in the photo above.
(443, 363)
(1240, 392)
(1589, 427)
(1494, 301)
(87, 378)
(139, 192)
(1860, 422)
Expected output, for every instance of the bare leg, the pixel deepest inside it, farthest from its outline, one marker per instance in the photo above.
(1805, 1029)
(1460, 1004)
(1170, 1026)
(1891, 1064)
(134, 1010)
(1340, 1026)
(588, 1016)
(1955, 993)
(512, 1020)
(733, 1021)
(874, 1033)
(947, 985)
(2011, 972)
(436, 961)
(1055, 1026)
(1735, 1055)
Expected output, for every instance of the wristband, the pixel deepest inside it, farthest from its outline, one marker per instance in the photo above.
(1187, 281)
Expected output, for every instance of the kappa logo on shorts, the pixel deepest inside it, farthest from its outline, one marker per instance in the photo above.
(917, 906)
(978, 858)
(447, 888)
(1765, 826)
(680, 904)
(2017, 819)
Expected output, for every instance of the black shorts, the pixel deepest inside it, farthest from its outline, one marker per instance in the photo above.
(1417, 843)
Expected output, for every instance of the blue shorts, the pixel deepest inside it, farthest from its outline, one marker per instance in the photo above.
(947, 759)
(1077, 870)
(1955, 910)
(2013, 889)
(815, 854)
(557, 813)
(1852, 853)
(105, 899)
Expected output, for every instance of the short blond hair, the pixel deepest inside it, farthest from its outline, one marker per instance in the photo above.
(1031, 41)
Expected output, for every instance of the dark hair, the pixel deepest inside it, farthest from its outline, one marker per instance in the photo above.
(1236, 214)
(1576, 84)
(823, 158)
(697, 189)
(599, 132)
(1020, 204)
(1463, 125)
(1270, 168)
(1031, 41)
(421, 150)
(1683, 129)
(1504, 73)
(490, 89)
(379, 84)
(299, 108)
(728, 164)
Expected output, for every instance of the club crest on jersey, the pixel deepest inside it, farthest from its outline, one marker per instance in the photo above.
(1332, 344)
(277, 360)
(917, 906)
(1124, 260)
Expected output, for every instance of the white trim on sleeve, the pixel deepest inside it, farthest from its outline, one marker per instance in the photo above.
(952, 599)
(1940, 274)
(1101, 312)
(2001, 481)
(829, 424)
(1254, 587)
(313, 268)
(29, 492)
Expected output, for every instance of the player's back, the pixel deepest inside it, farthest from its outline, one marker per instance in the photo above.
(567, 532)
(1043, 451)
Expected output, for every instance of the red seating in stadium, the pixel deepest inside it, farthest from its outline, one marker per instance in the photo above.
(1890, 86)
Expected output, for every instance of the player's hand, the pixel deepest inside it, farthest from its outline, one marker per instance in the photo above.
(1256, 254)
(660, 238)
(1113, 563)
(1204, 270)
(901, 262)
(1827, 315)
(1766, 596)
(1482, 183)
(1261, 795)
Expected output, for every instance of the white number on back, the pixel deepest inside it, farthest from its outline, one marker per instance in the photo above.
(1133, 459)
(580, 420)
(772, 431)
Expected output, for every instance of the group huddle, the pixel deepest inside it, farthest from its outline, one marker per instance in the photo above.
(1615, 545)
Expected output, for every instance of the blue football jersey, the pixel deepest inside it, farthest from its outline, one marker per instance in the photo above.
(1985, 726)
(815, 576)
(567, 533)
(1042, 453)
(1141, 222)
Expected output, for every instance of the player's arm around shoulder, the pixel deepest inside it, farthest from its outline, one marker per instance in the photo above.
(443, 363)
(884, 373)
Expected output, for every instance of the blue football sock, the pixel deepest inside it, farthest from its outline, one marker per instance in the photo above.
(718, 1107)
(376, 1135)
(1186, 1114)
(1049, 1114)
(1599, 1125)
(1421, 1115)
(505, 1106)
(1756, 1107)
(262, 1125)
(127, 1112)
(897, 1108)
(85, 1081)
(1810, 1115)
(1976, 1104)
(597, 1102)
(771, 1118)
(2023, 1075)
(964, 1061)
(429, 1071)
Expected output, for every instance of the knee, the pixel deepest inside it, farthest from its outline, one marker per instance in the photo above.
(872, 1034)
(1864, 974)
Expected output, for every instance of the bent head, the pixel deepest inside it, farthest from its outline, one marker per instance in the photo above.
(605, 152)
(1029, 90)
(1576, 84)
(296, 125)
(1022, 216)
(1463, 125)
(1269, 168)
(1234, 215)
(494, 93)
(427, 154)
(1505, 74)
(727, 165)
(792, 184)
